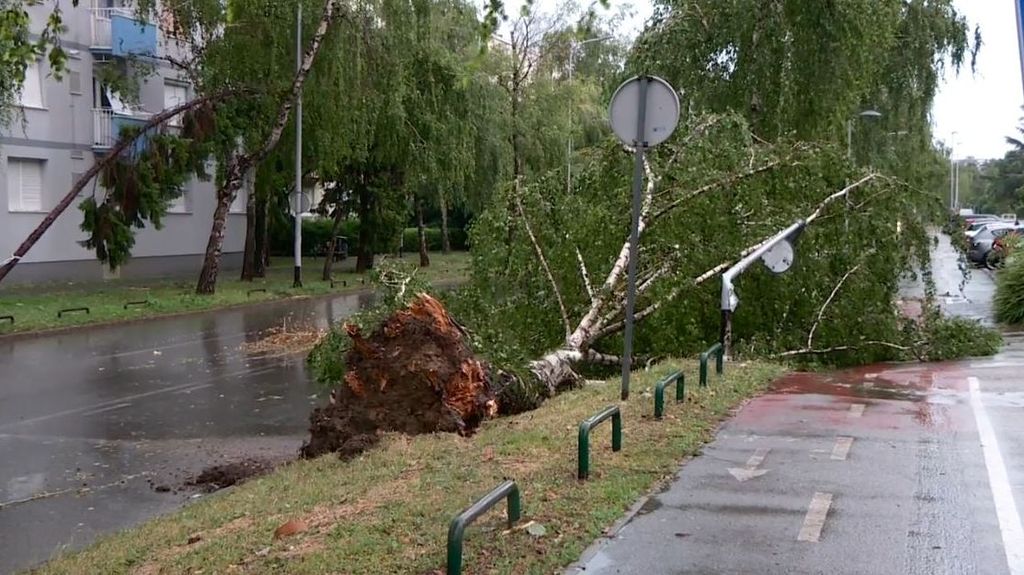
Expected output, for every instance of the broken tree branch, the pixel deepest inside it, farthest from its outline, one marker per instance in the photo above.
(544, 264)
(724, 182)
(844, 348)
(832, 296)
(585, 274)
(609, 329)
(591, 323)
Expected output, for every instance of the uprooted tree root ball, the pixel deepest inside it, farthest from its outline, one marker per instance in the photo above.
(414, 374)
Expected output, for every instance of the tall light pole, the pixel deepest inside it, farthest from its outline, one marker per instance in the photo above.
(298, 153)
(849, 154)
(952, 174)
(573, 45)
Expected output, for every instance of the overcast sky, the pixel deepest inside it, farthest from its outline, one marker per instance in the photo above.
(981, 108)
(985, 107)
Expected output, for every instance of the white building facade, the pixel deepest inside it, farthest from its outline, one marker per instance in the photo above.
(69, 124)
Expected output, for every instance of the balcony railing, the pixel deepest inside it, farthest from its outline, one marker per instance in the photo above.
(107, 124)
(116, 30)
(103, 135)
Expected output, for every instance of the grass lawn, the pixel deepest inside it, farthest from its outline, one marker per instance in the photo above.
(388, 510)
(35, 307)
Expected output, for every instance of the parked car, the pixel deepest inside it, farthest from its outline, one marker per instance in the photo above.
(978, 227)
(981, 244)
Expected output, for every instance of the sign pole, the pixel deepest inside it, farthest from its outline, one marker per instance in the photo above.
(297, 272)
(634, 235)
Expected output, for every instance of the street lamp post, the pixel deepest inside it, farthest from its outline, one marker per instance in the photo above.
(568, 155)
(849, 153)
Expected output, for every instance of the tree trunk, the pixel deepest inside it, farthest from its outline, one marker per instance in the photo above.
(249, 253)
(446, 244)
(332, 244)
(422, 232)
(240, 164)
(211, 264)
(364, 249)
(262, 237)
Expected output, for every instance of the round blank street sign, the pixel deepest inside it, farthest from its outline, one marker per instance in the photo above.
(305, 203)
(661, 116)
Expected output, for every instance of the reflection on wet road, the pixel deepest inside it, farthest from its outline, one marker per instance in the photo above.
(92, 421)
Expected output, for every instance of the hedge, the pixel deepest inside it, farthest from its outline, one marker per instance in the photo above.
(316, 232)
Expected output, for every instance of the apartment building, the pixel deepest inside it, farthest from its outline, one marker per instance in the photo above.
(69, 124)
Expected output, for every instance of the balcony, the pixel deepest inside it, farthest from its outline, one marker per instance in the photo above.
(106, 128)
(116, 32)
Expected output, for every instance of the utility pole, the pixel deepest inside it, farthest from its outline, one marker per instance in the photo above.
(298, 153)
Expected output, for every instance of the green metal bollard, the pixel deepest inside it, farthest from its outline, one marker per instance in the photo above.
(457, 529)
(659, 392)
(717, 350)
(612, 411)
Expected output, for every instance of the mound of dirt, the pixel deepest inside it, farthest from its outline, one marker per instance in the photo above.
(414, 374)
(225, 475)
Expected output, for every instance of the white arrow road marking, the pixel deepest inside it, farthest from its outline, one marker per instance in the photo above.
(751, 470)
(842, 448)
(999, 481)
(815, 519)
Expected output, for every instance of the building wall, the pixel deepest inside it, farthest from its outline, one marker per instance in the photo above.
(61, 134)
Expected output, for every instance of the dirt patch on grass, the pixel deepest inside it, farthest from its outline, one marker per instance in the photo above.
(224, 475)
(414, 374)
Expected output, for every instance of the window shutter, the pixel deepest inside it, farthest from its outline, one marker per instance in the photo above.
(31, 185)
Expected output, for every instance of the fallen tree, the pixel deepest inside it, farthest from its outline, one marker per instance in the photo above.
(418, 370)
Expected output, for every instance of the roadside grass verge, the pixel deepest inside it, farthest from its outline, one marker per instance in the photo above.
(388, 510)
(35, 307)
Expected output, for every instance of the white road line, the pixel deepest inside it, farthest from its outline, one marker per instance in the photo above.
(857, 410)
(999, 481)
(815, 519)
(104, 409)
(870, 375)
(842, 448)
(758, 456)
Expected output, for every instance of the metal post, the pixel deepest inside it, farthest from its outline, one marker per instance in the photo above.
(568, 154)
(956, 189)
(1020, 37)
(725, 337)
(634, 236)
(298, 153)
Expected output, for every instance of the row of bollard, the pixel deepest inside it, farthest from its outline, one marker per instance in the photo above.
(68, 310)
(509, 490)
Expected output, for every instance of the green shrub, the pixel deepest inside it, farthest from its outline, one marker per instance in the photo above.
(948, 338)
(1009, 300)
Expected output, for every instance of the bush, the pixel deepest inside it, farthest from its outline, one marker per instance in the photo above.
(1009, 300)
(316, 233)
(949, 338)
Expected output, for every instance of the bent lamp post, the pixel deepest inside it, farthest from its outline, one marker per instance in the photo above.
(777, 254)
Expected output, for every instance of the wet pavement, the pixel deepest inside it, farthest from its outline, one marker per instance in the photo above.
(886, 469)
(94, 421)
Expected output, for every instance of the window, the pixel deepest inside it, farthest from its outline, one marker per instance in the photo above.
(75, 83)
(24, 185)
(32, 89)
(238, 205)
(179, 205)
(174, 95)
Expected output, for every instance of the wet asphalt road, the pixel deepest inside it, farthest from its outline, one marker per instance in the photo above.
(887, 469)
(91, 421)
